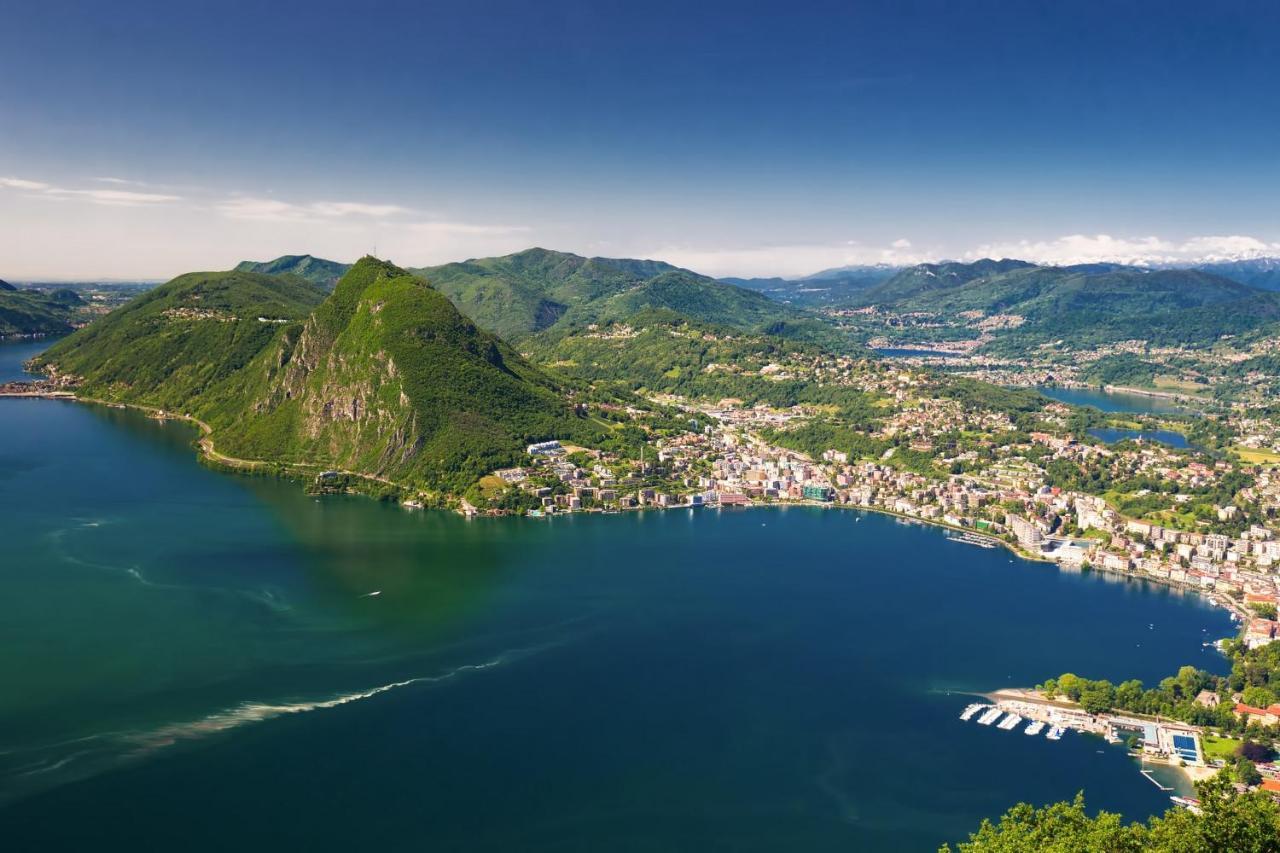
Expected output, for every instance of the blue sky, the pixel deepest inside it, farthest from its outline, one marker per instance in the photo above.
(145, 139)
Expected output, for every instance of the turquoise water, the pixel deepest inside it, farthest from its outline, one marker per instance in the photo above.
(195, 660)
(1111, 435)
(1108, 401)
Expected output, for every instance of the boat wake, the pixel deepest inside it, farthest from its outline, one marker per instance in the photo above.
(25, 771)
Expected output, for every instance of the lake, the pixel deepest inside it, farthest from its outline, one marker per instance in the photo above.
(15, 352)
(203, 661)
(1114, 401)
(1111, 435)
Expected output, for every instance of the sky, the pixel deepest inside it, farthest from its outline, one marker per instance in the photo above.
(146, 139)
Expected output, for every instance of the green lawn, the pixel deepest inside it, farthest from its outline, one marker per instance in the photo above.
(1219, 747)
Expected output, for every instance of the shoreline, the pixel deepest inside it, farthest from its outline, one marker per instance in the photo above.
(207, 452)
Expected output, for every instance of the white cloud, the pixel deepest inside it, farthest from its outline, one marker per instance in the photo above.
(348, 208)
(1232, 247)
(22, 184)
(123, 198)
(262, 209)
(786, 260)
(1098, 248)
(121, 181)
(275, 210)
(111, 197)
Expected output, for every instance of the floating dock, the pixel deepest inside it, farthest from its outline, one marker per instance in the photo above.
(1009, 722)
(967, 714)
(990, 716)
(1035, 728)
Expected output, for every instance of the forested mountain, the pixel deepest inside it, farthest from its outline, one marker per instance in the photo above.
(921, 279)
(313, 269)
(1262, 273)
(1087, 304)
(384, 377)
(36, 312)
(174, 342)
(518, 295)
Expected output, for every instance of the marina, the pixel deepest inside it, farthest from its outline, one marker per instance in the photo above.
(1009, 723)
(1160, 743)
(969, 538)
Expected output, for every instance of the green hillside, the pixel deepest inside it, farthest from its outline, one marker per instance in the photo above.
(535, 290)
(175, 342)
(315, 270)
(37, 312)
(923, 279)
(1085, 305)
(383, 378)
(387, 378)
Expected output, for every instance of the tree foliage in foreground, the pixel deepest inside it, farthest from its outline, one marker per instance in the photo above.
(1229, 821)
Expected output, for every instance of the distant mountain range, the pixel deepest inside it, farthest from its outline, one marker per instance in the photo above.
(1262, 273)
(552, 294)
(539, 291)
(1086, 304)
(404, 374)
(829, 288)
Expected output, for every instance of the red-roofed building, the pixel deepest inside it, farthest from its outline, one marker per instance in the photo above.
(1267, 716)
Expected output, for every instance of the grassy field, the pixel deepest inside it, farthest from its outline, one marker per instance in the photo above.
(1219, 747)
(492, 486)
(1182, 386)
(1254, 456)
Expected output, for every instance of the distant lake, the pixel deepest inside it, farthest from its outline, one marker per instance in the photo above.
(14, 353)
(1111, 436)
(201, 661)
(895, 352)
(1107, 401)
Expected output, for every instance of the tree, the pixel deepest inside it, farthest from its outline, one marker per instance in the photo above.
(1129, 694)
(1229, 821)
(1097, 696)
(1258, 697)
(1256, 752)
(1247, 773)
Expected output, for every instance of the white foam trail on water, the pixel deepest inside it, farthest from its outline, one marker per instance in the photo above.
(118, 747)
(257, 712)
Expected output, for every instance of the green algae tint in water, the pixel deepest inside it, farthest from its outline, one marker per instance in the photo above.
(195, 660)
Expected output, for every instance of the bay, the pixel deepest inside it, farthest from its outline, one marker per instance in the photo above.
(201, 661)
(1111, 435)
(1114, 401)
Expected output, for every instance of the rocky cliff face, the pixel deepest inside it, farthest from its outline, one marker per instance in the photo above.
(387, 378)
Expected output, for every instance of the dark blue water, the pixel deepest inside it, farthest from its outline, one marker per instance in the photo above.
(1108, 401)
(1111, 435)
(193, 660)
(14, 353)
